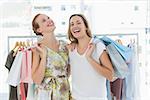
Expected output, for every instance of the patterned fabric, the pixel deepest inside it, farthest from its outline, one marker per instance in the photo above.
(55, 85)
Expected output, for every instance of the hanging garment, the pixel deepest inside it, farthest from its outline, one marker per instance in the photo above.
(26, 67)
(109, 95)
(22, 90)
(18, 92)
(9, 60)
(14, 74)
(23, 66)
(8, 65)
(55, 85)
(28, 78)
(116, 88)
(13, 93)
(30, 94)
(132, 80)
(25, 76)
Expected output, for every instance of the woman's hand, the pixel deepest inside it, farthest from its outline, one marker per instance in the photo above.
(90, 50)
(42, 50)
(71, 46)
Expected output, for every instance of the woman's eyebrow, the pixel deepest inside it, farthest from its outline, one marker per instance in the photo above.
(78, 21)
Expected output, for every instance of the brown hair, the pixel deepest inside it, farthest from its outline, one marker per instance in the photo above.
(35, 25)
(88, 31)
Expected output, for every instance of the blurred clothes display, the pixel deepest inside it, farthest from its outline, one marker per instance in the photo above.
(8, 64)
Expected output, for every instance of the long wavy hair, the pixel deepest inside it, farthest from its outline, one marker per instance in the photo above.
(88, 31)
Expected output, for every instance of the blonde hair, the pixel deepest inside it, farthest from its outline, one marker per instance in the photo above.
(88, 31)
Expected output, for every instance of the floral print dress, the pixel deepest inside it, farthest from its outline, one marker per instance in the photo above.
(55, 85)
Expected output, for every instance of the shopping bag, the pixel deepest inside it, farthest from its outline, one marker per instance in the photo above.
(119, 64)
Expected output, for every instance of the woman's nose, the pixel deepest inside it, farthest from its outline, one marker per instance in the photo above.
(49, 21)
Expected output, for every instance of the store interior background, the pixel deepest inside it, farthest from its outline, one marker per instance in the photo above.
(128, 19)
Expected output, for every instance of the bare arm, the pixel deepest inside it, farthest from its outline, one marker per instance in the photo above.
(38, 67)
(105, 68)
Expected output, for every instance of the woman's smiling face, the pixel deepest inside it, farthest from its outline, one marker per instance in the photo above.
(77, 27)
(45, 24)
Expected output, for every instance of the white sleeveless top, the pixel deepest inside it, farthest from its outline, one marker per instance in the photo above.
(87, 83)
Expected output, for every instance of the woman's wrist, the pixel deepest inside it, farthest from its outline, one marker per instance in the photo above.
(43, 56)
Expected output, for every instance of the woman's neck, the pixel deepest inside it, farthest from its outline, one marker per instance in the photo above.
(83, 42)
(49, 39)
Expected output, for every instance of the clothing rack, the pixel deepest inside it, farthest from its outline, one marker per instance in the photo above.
(25, 37)
(122, 34)
(13, 37)
(59, 36)
(116, 34)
